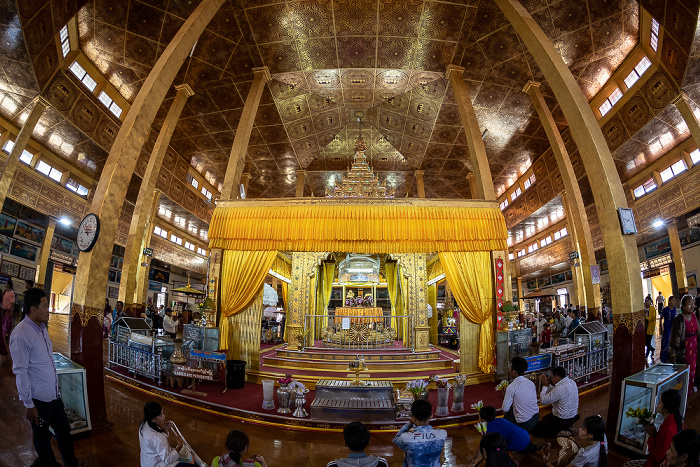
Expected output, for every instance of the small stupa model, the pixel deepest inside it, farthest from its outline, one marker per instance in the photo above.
(360, 181)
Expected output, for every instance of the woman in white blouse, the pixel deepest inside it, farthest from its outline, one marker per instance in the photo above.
(592, 450)
(153, 438)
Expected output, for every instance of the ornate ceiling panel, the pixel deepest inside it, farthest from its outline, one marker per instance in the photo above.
(537, 222)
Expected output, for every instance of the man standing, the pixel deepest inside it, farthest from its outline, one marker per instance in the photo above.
(650, 312)
(169, 324)
(573, 324)
(660, 301)
(422, 443)
(37, 381)
(520, 400)
(562, 393)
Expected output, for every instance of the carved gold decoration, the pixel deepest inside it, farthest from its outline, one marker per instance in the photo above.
(360, 181)
(628, 320)
(85, 313)
(359, 333)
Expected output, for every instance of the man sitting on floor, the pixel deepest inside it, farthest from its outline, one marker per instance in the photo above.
(422, 443)
(357, 439)
(520, 401)
(517, 439)
(562, 393)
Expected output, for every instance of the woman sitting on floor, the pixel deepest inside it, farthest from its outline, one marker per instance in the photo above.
(153, 439)
(684, 450)
(237, 445)
(592, 450)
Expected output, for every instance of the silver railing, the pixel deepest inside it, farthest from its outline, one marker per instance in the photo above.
(359, 331)
(135, 360)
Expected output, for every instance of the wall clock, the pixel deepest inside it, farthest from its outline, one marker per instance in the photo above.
(88, 232)
(627, 221)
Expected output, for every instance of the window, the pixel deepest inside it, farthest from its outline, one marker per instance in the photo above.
(115, 109)
(695, 156)
(654, 40)
(532, 248)
(105, 99)
(189, 246)
(638, 71)
(83, 76)
(201, 251)
(76, 187)
(9, 145)
(515, 194)
(160, 232)
(528, 183)
(521, 253)
(26, 157)
(65, 41)
(546, 241)
(193, 181)
(673, 170)
(646, 187)
(511, 256)
(560, 234)
(612, 99)
(206, 193)
(49, 171)
(504, 204)
(175, 239)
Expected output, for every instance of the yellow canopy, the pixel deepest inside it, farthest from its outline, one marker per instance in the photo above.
(366, 226)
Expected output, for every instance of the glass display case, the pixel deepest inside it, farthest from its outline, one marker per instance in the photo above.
(642, 390)
(73, 386)
(595, 337)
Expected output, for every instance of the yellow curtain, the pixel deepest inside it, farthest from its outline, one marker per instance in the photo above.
(392, 289)
(432, 301)
(325, 290)
(404, 330)
(470, 277)
(242, 276)
(282, 267)
(398, 226)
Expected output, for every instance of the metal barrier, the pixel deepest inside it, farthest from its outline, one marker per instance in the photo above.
(359, 332)
(137, 361)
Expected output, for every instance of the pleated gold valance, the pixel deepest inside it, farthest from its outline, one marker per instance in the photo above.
(394, 226)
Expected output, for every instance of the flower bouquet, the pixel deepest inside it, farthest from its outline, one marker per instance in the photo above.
(286, 381)
(481, 428)
(416, 387)
(643, 415)
(440, 383)
(460, 379)
(477, 405)
(502, 385)
(298, 387)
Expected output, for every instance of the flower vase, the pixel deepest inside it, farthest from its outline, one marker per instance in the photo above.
(268, 394)
(300, 402)
(424, 394)
(458, 398)
(283, 399)
(443, 394)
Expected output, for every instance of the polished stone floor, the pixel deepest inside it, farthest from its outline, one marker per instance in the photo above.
(117, 445)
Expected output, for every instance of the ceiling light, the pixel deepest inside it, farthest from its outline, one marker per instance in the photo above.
(658, 223)
(64, 221)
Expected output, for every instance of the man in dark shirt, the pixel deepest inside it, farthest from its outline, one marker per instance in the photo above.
(357, 439)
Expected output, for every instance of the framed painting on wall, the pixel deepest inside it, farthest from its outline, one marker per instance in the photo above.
(26, 273)
(112, 292)
(23, 250)
(7, 225)
(61, 244)
(5, 244)
(9, 268)
(29, 233)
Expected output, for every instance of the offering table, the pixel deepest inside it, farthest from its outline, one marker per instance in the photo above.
(341, 401)
(360, 314)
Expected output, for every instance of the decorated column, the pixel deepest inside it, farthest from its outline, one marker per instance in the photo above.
(40, 276)
(144, 260)
(301, 180)
(420, 186)
(678, 261)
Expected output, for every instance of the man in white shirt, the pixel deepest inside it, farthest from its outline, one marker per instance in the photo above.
(562, 393)
(660, 302)
(169, 324)
(520, 400)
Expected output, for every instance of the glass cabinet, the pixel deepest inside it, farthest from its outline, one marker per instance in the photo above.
(73, 386)
(643, 390)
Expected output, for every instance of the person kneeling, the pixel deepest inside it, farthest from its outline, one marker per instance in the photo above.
(562, 393)
(517, 439)
(422, 443)
(356, 437)
(237, 442)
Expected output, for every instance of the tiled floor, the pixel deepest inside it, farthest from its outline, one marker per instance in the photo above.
(118, 445)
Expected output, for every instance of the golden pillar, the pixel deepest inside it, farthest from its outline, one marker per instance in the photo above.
(681, 103)
(236, 161)
(93, 265)
(141, 226)
(213, 287)
(414, 267)
(420, 186)
(471, 178)
(38, 104)
(521, 302)
(589, 293)
(140, 296)
(677, 253)
(304, 266)
(245, 179)
(40, 276)
(621, 250)
(301, 180)
(477, 151)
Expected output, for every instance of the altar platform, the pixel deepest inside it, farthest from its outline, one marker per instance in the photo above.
(397, 365)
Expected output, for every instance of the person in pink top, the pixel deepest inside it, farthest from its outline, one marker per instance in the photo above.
(6, 316)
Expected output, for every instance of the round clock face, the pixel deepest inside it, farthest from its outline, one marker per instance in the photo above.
(87, 232)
